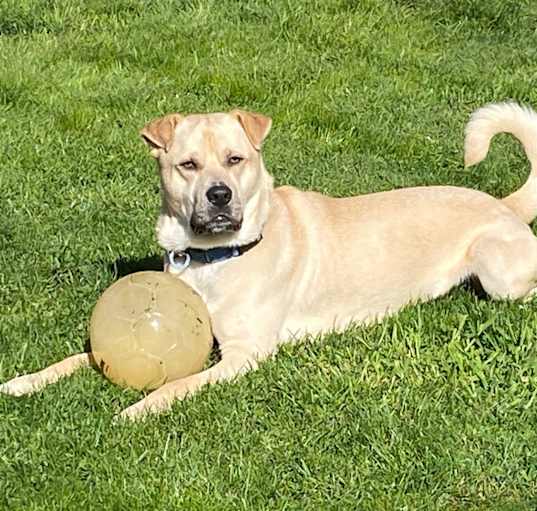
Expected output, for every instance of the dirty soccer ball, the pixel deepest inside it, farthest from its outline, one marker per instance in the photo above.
(149, 328)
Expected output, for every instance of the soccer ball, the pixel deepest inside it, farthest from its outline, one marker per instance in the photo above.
(149, 328)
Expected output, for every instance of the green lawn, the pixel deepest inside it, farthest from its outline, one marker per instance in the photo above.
(432, 409)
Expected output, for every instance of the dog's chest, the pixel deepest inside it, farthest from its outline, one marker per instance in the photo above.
(204, 280)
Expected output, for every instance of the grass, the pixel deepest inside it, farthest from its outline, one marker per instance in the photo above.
(434, 408)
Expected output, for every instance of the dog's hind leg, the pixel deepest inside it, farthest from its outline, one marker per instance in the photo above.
(30, 383)
(506, 263)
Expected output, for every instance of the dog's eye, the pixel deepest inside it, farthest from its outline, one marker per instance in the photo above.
(234, 160)
(188, 165)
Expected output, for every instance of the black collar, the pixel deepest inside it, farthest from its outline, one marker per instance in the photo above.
(217, 254)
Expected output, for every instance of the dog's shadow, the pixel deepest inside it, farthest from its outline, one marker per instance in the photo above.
(473, 285)
(122, 266)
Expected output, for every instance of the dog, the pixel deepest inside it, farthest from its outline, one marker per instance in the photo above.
(277, 264)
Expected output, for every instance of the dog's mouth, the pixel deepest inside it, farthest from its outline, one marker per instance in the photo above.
(216, 225)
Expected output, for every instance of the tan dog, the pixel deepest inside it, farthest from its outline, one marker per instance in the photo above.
(305, 263)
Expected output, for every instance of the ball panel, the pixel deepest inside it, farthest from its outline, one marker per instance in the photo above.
(149, 279)
(155, 333)
(175, 292)
(127, 299)
(107, 329)
(186, 362)
(191, 352)
(180, 304)
(136, 369)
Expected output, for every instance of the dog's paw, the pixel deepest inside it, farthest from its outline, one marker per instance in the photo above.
(20, 386)
(132, 413)
(150, 405)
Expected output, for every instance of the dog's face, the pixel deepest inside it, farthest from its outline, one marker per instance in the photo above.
(211, 170)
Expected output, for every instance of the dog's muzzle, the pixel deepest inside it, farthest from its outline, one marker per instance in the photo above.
(215, 225)
(217, 212)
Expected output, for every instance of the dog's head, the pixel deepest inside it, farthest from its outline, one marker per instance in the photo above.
(215, 188)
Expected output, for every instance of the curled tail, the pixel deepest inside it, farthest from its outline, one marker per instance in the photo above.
(520, 122)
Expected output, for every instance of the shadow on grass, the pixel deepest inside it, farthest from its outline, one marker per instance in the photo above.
(473, 285)
(121, 267)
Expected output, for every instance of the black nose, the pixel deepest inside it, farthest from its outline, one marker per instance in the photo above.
(219, 195)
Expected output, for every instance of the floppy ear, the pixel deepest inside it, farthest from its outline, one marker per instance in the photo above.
(256, 126)
(158, 134)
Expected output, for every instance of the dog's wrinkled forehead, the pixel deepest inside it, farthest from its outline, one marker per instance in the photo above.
(237, 130)
(203, 135)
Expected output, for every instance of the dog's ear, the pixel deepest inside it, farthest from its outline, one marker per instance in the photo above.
(256, 126)
(158, 134)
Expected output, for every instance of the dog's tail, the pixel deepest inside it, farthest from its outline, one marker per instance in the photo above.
(520, 122)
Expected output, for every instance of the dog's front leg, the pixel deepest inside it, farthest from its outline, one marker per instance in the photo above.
(231, 366)
(30, 383)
